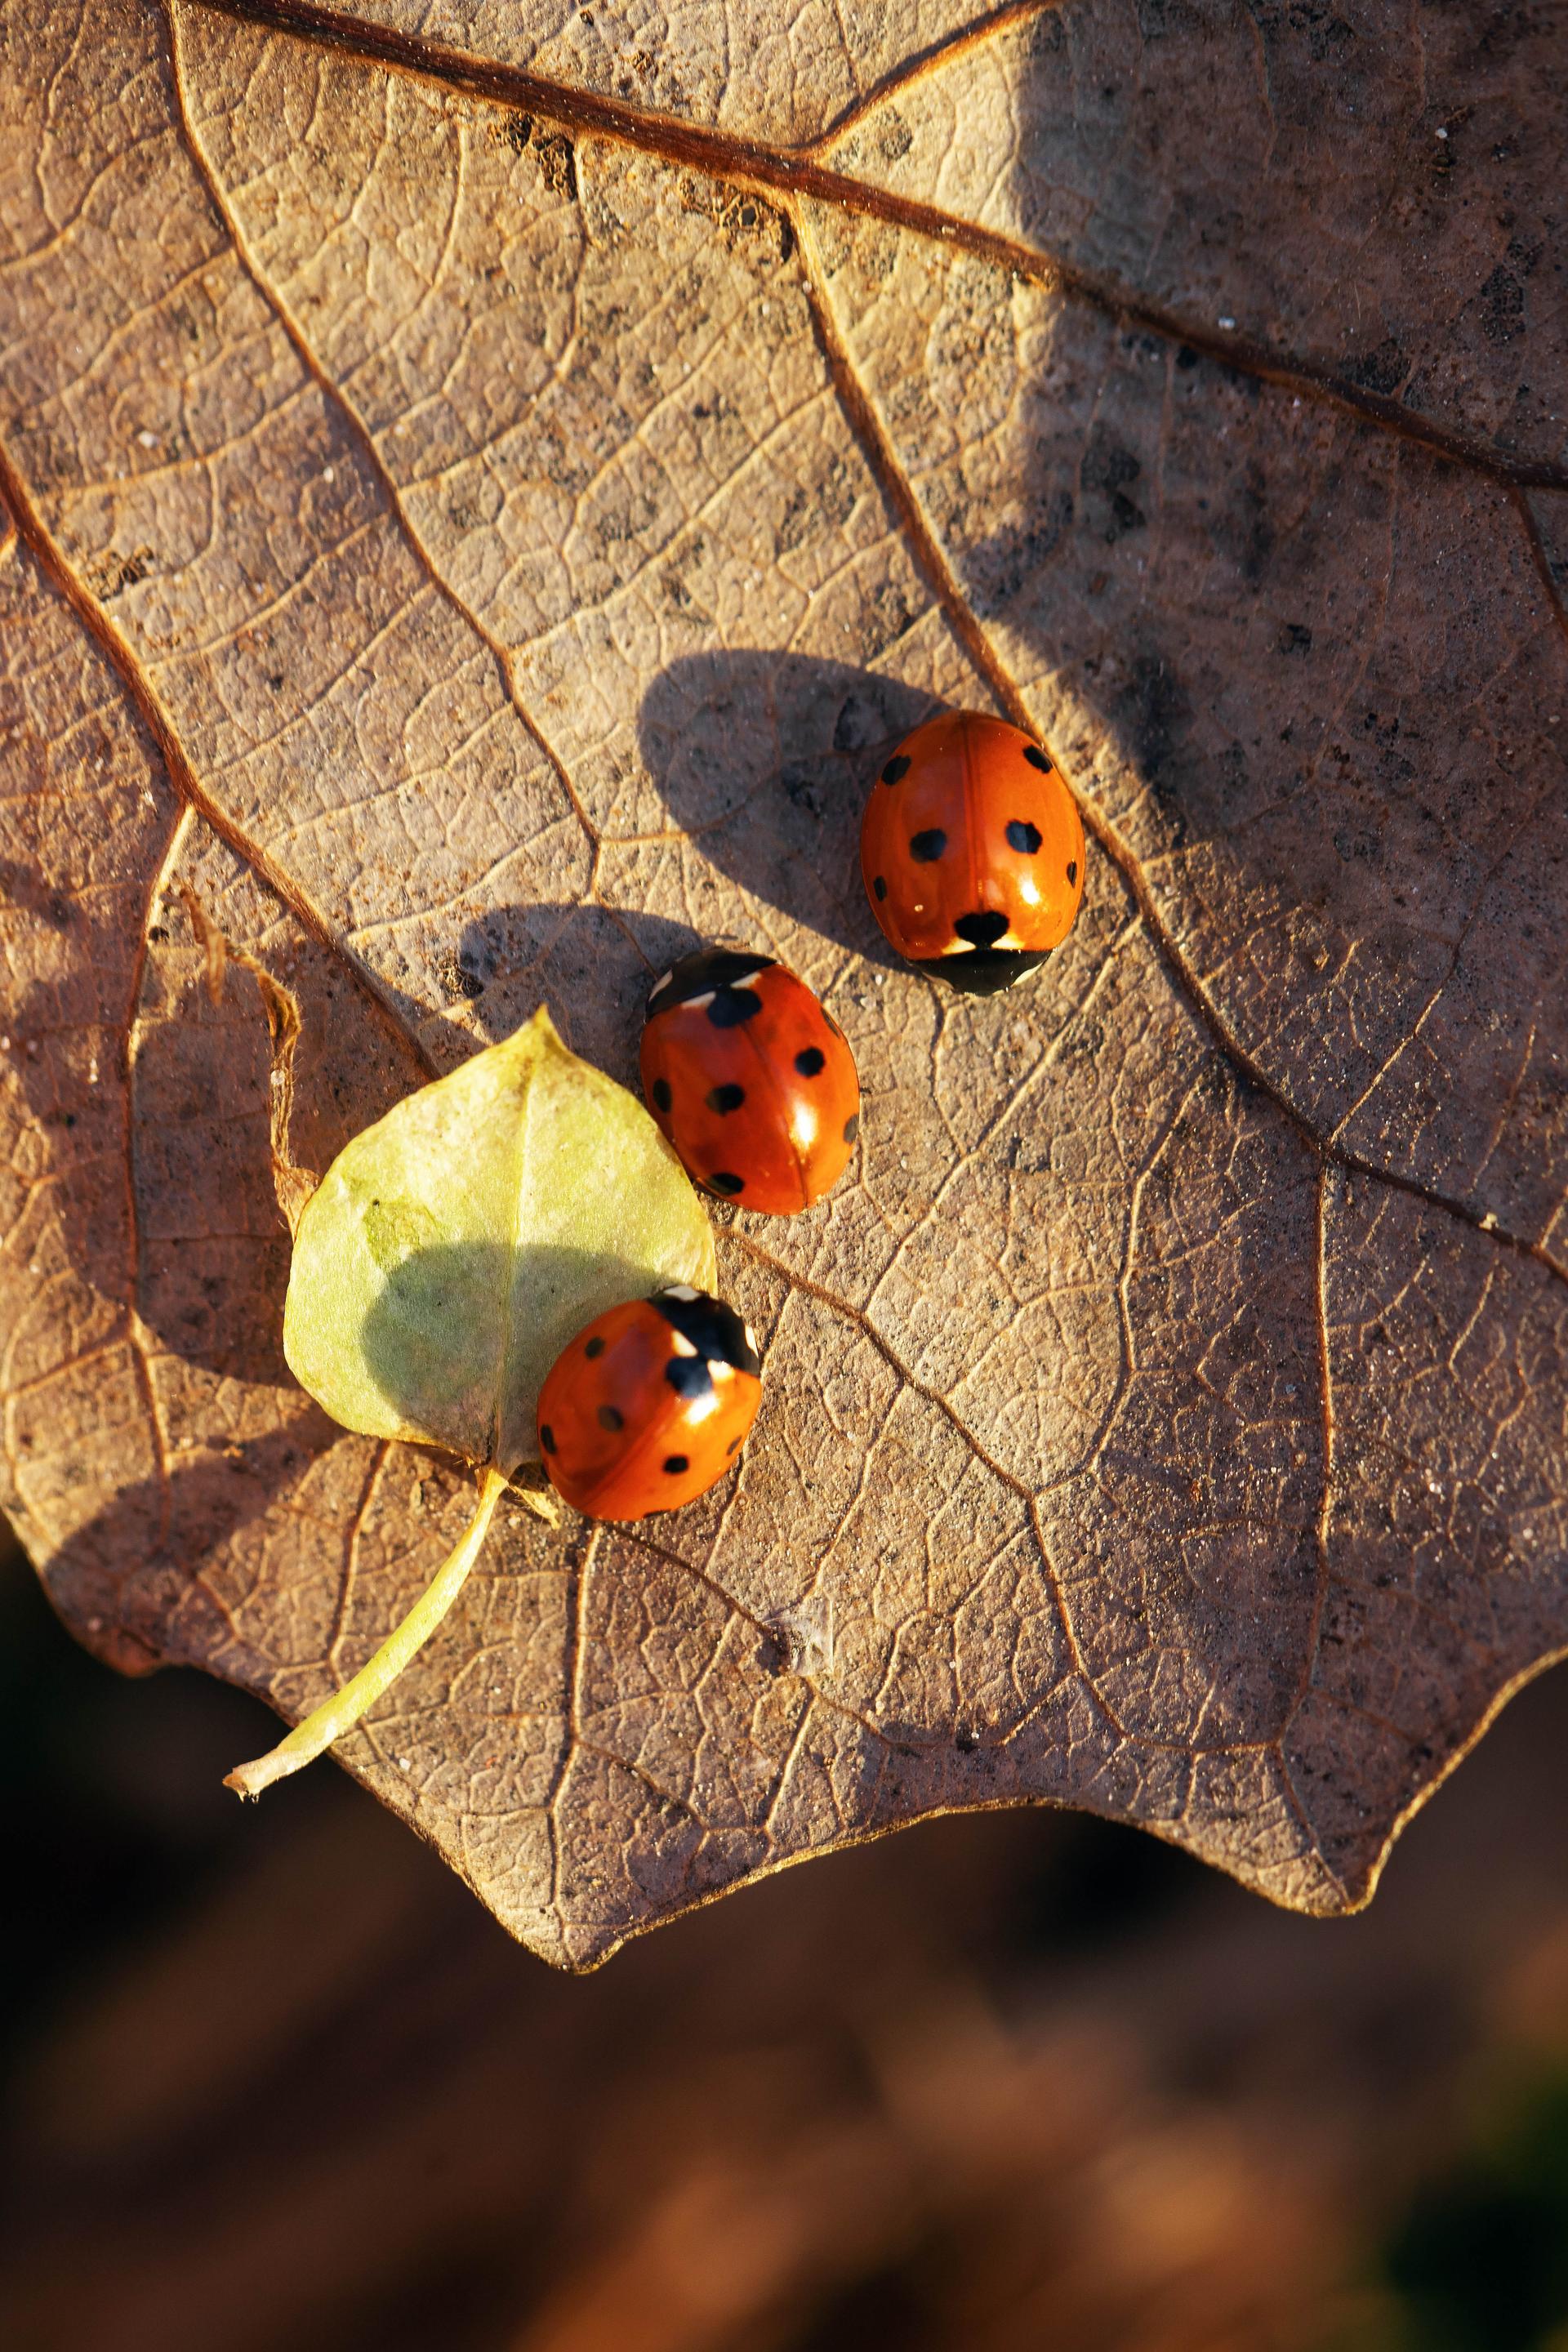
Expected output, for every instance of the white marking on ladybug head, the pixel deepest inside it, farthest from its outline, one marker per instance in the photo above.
(682, 1344)
(680, 1290)
(751, 1339)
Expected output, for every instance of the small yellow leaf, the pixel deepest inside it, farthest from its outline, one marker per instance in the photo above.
(454, 1247)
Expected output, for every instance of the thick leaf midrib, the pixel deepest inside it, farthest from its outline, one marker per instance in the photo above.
(795, 172)
(522, 1198)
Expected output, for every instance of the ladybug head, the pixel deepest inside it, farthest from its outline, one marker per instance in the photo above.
(714, 1332)
(719, 972)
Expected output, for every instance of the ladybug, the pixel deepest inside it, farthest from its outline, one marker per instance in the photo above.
(646, 1407)
(972, 851)
(750, 1080)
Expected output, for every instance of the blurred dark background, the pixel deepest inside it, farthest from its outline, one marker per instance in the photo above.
(1023, 2080)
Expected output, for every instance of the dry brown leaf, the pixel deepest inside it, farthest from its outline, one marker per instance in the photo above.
(482, 493)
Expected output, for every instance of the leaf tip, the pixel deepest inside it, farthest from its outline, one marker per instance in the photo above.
(541, 1023)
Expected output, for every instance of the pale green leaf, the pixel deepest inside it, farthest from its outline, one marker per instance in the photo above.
(454, 1247)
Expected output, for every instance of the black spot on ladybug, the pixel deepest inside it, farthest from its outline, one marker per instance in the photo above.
(897, 768)
(1072, 870)
(715, 1331)
(926, 847)
(1022, 837)
(809, 1060)
(661, 1093)
(699, 974)
(1036, 757)
(724, 1180)
(879, 887)
(595, 1348)
(852, 1126)
(730, 1007)
(547, 1437)
(611, 1417)
(675, 1465)
(725, 1097)
(981, 931)
(689, 1376)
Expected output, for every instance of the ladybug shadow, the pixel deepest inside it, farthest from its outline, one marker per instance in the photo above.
(765, 759)
(590, 967)
(762, 760)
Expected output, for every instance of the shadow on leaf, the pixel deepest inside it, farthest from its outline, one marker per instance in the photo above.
(169, 1529)
(430, 1339)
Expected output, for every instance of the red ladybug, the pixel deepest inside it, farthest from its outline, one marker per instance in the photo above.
(646, 1407)
(973, 852)
(751, 1081)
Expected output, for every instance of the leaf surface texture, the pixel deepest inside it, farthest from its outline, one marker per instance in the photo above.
(478, 507)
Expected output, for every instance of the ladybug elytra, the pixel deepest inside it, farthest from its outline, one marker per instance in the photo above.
(972, 850)
(751, 1083)
(646, 1407)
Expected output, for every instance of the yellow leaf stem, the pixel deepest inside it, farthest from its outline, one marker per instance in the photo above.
(343, 1709)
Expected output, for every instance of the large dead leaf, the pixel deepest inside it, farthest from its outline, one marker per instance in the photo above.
(481, 501)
